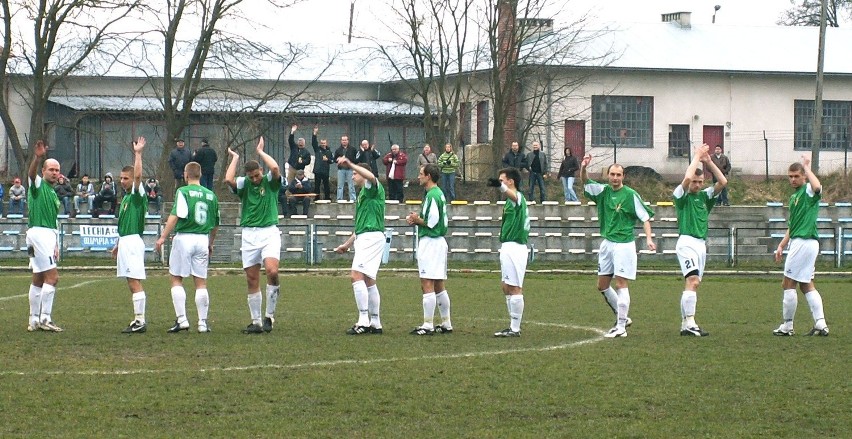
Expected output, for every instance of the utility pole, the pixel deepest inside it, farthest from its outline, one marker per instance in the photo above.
(351, 19)
(817, 130)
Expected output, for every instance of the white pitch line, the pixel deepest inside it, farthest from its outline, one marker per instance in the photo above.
(81, 284)
(328, 363)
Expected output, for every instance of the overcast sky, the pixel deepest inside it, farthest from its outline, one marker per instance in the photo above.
(327, 21)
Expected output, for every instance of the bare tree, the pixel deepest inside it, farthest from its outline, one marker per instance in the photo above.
(429, 49)
(69, 37)
(807, 13)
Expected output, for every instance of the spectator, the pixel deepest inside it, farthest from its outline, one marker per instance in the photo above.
(301, 191)
(85, 193)
(449, 164)
(724, 164)
(395, 162)
(154, 193)
(324, 157)
(206, 157)
(106, 194)
(538, 165)
(344, 172)
(367, 155)
(299, 156)
(64, 192)
(427, 156)
(514, 158)
(178, 159)
(17, 198)
(567, 173)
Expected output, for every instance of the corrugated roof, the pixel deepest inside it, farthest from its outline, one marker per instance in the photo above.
(714, 47)
(207, 105)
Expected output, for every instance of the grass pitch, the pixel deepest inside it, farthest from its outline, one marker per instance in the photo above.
(308, 379)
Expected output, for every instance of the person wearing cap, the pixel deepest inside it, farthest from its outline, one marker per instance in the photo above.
(154, 193)
(178, 159)
(206, 157)
(300, 192)
(17, 197)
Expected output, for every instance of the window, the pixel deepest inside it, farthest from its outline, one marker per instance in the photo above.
(464, 123)
(678, 140)
(482, 122)
(836, 121)
(626, 121)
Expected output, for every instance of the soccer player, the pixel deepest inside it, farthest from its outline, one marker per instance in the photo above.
(195, 219)
(514, 233)
(801, 258)
(432, 250)
(261, 240)
(369, 240)
(619, 207)
(693, 204)
(129, 250)
(41, 239)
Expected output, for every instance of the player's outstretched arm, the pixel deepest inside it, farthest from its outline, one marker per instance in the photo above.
(231, 172)
(584, 176)
(362, 171)
(812, 178)
(39, 153)
(718, 175)
(697, 157)
(138, 147)
(267, 160)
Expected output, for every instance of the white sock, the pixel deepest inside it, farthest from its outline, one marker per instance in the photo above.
(443, 300)
(179, 302)
(35, 302)
(202, 302)
(48, 292)
(271, 299)
(815, 302)
(139, 306)
(429, 303)
(361, 301)
(374, 304)
(687, 305)
(516, 311)
(623, 306)
(788, 306)
(255, 300)
(611, 299)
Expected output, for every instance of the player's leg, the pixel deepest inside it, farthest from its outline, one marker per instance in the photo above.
(815, 303)
(513, 259)
(624, 263)
(254, 298)
(179, 303)
(605, 273)
(691, 254)
(789, 303)
(179, 268)
(273, 287)
(202, 302)
(130, 264)
(427, 286)
(442, 298)
(41, 243)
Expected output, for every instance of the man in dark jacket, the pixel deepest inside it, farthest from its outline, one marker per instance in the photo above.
(301, 192)
(367, 155)
(324, 157)
(344, 172)
(724, 164)
(539, 169)
(299, 156)
(514, 158)
(178, 159)
(206, 157)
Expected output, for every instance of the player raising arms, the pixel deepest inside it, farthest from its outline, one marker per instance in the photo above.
(261, 240)
(693, 203)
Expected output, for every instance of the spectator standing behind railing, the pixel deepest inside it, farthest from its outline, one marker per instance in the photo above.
(206, 157)
(567, 173)
(427, 156)
(515, 158)
(324, 158)
(17, 197)
(449, 164)
(64, 192)
(539, 169)
(395, 162)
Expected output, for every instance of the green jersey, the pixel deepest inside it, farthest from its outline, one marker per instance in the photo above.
(370, 208)
(44, 205)
(197, 209)
(516, 221)
(617, 210)
(804, 207)
(434, 214)
(131, 213)
(259, 202)
(693, 211)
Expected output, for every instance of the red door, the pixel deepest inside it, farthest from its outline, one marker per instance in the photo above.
(575, 137)
(714, 135)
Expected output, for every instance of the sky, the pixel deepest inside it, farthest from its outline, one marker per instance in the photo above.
(327, 21)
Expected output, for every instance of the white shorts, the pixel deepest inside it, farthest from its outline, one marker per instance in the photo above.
(618, 259)
(189, 255)
(368, 253)
(131, 257)
(259, 243)
(692, 254)
(513, 263)
(801, 259)
(41, 246)
(432, 258)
